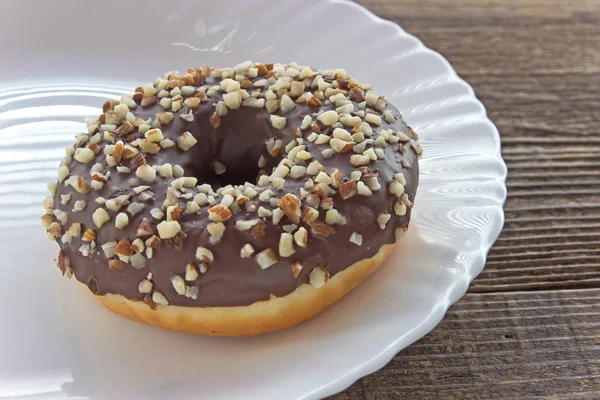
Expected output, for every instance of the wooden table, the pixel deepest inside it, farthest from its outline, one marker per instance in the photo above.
(529, 327)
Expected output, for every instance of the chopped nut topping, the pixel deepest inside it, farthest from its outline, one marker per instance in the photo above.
(135, 208)
(333, 217)
(100, 217)
(158, 297)
(400, 208)
(326, 203)
(145, 286)
(266, 258)
(123, 250)
(61, 216)
(148, 147)
(406, 200)
(54, 231)
(219, 213)
(121, 221)
(115, 265)
(85, 250)
(164, 118)
(314, 168)
(290, 228)
(118, 202)
(138, 261)
(47, 220)
(328, 117)
(63, 263)
(65, 198)
(233, 100)
(356, 94)
(287, 104)
(192, 102)
(371, 154)
(84, 155)
(383, 219)
(296, 268)
(178, 284)
(258, 231)
(400, 232)
(402, 137)
(146, 173)
(220, 168)
(310, 214)
(322, 177)
(244, 225)
(81, 185)
(137, 160)
(318, 277)
(359, 159)
(75, 229)
(263, 212)
(363, 189)
(109, 248)
(356, 238)
(247, 251)
(138, 245)
(320, 228)
(89, 235)
(314, 102)
(63, 172)
(174, 213)
(396, 188)
(400, 178)
(186, 141)
(297, 172)
(373, 119)
(286, 245)
(336, 178)
(278, 122)
(322, 190)
(154, 135)
(301, 237)
(191, 207)
(313, 200)
(277, 215)
(191, 273)
(177, 171)
(168, 229)
(204, 255)
(342, 134)
(290, 205)
(348, 189)
(153, 242)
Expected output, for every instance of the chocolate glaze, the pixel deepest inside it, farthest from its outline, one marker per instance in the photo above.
(238, 143)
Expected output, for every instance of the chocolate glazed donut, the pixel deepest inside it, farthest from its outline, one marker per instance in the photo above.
(234, 201)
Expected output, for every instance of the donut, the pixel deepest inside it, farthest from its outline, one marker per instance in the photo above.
(234, 201)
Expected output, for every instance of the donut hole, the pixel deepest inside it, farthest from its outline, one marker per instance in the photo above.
(227, 157)
(234, 176)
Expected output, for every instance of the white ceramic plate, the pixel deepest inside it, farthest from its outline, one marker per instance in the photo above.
(60, 58)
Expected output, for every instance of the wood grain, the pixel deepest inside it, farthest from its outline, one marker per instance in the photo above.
(496, 345)
(529, 326)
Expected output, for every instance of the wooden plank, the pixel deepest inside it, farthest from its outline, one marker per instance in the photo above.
(494, 346)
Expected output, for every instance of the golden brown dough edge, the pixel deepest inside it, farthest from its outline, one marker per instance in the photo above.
(261, 317)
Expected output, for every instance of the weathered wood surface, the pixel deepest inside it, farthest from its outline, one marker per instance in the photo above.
(529, 326)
